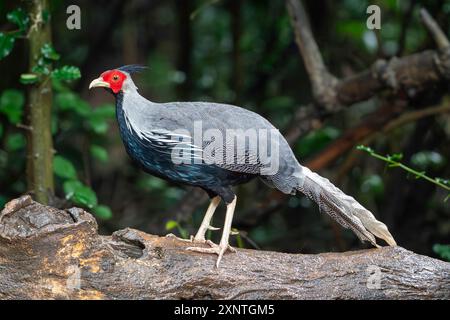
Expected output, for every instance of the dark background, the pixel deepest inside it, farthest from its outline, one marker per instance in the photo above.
(243, 52)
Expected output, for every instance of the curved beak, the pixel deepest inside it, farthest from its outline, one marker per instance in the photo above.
(98, 83)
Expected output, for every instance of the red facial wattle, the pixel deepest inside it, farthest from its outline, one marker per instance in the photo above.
(115, 79)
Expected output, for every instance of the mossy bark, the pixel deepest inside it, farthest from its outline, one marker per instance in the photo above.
(40, 145)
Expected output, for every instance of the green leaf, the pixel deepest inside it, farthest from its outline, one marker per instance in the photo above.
(80, 194)
(19, 18)
(70, 186)
(15, 141)
(428, 159)
(364, 148)
(395, 157)
(443, 181)
(171, 224)
(6, 44)
(98, 125)
(99, 153)
(40, 69)
(71, 101)
(49, 52)
(102, 212)
(443, 250)
(85, 196)
(63, 168)
(11, 104)
(28, 78)
(67, 73)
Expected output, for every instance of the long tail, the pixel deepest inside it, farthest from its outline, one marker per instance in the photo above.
(344, 209)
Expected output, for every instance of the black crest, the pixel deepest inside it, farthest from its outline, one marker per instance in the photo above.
(132, 68)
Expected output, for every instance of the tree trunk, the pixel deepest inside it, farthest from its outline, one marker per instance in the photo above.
(40, 145)
(46, 253)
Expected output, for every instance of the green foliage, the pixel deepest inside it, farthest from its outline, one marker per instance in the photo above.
(428, 160)
(15, 142)
(19, 18)
(77, 116)
(103, 212)
(443, 250)
(99, 153)
(69, 101)
(8, 38)
(11, 104)
(6, 44)
(44, 65)
(80, 194)
(49, 53)
(393, 162)
(239, 241)
(172, 224)
(63, 168)
(28, 78)
(315, 141)
(66, 73)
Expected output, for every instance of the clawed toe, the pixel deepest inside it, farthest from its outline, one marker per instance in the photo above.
(218, 249)
(171, 235)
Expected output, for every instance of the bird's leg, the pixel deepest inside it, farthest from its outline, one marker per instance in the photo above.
(223, 246)
(205, 226)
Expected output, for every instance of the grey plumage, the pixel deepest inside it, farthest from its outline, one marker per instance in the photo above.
(161, 120)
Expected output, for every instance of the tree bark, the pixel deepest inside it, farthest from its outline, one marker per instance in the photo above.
(40, 145)
(46, 253)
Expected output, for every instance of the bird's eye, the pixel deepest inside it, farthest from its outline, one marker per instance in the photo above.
(115, 77)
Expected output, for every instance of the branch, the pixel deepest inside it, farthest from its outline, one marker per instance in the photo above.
(321, 80)
(383, 120)
(410, 73)
(374, 122)
(436, 32)
(48, 253)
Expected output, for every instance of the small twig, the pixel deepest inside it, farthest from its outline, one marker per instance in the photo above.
(416, 115)
(322, 81)
(393, 162)
(24, 126)
(402, 120)
(436, 32)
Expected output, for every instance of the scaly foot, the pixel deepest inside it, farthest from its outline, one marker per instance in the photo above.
(218, 249)
(192, 239)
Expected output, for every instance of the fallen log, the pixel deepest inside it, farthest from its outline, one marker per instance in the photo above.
(47, 253)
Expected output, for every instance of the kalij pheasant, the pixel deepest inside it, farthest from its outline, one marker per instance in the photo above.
(162, 139)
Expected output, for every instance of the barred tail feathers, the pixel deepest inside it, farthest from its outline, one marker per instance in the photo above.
(343, 208)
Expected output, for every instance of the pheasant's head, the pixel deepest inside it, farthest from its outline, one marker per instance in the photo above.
(117, 79)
